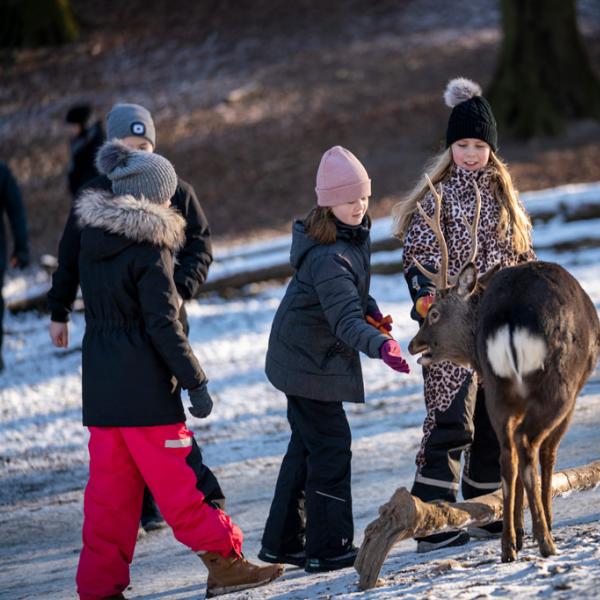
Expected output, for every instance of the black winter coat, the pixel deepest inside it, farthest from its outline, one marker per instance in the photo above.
(12, 205)
(320, 324)
(82, 167)
(191, 267)
(134, 346)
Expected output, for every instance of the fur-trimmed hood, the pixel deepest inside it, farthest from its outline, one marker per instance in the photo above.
(136, 220)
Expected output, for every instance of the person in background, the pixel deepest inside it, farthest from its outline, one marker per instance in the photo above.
(133, 125)
(11, 204)
(85, 141)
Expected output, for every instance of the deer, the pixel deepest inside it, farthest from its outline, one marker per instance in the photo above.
(532, 336)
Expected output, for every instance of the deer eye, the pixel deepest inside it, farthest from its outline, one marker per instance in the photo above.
(434, 315)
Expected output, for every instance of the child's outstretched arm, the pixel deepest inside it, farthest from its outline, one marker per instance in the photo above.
(339, 297)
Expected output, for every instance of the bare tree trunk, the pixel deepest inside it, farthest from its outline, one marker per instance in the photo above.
(33, 23)
(405, 516)
(544, 76)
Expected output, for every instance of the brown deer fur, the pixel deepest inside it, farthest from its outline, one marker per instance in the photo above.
(532, 335)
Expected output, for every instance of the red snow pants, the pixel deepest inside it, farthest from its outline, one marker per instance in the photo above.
(122, 461)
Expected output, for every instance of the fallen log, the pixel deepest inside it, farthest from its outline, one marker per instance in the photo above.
(405, 516)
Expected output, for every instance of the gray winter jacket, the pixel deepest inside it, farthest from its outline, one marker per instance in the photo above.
(320, 324)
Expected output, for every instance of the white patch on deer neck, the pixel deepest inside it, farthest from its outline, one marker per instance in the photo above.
(514, 355)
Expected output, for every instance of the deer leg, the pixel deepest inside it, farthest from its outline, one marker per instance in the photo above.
(548, 453)
(519, 516)
(528, 470)
(508, 471)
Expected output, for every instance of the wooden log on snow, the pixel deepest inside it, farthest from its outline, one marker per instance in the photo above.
(405, 516)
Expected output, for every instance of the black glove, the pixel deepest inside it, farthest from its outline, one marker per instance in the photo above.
(19, 260)
(201, 402)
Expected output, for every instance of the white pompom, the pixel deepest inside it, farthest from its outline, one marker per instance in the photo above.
(460, 89)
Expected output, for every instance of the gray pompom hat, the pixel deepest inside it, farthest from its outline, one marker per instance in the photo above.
(138, 173)
(124, 120)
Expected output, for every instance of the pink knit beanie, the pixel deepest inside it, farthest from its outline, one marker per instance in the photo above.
(341, 178)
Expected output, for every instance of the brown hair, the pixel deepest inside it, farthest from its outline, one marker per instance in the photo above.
(319, 225)
(512, 213)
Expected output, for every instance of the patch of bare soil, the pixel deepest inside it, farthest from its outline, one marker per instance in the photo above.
(247, 96)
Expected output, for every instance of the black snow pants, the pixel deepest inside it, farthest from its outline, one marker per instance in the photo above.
(463, 426)
(1, 310)
(312, 506)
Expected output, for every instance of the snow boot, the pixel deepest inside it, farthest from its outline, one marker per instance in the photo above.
(151, 519)
(235, 573)
(486, 532)
(289, 558)
(321, 565)
(442, 540)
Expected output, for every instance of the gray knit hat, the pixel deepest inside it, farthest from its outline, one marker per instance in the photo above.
(124, 120)
(135, 172)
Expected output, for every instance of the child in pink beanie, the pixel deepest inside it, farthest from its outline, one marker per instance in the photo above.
(313, 359)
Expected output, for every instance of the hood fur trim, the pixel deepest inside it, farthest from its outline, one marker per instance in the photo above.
(137, 220)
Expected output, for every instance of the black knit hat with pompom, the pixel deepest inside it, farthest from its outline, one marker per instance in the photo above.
(471, 116)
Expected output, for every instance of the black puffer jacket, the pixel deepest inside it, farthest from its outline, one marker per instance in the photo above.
(193, 259)
(12, 205)
(83, 153)
(320, 325)
(134, 346)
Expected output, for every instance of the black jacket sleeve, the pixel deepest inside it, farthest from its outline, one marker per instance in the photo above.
(340, 300)
(195, 257)
(15, 211)
(65, 279)
(158, 300)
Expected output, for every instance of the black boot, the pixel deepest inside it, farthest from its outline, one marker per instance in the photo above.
(151, 518)
(442, 540)
(289, 558)
(333, 563)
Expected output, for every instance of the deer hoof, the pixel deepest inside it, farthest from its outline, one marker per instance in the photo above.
(547, 547)
(509, 552)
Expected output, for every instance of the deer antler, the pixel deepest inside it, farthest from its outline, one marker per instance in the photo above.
(439, 279)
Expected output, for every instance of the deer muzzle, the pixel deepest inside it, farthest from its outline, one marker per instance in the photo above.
(416, 346)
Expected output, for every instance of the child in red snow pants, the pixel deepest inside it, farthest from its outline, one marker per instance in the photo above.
(122, 461)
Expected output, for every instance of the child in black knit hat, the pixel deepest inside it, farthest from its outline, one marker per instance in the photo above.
(456, 418)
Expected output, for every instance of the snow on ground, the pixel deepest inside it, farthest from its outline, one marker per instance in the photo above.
(44, 464)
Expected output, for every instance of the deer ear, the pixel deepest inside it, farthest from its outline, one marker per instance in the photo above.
(467, 281)
(485, 278)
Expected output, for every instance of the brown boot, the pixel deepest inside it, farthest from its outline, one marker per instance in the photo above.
(235, 573)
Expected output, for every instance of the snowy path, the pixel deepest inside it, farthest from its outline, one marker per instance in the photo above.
(44, 458)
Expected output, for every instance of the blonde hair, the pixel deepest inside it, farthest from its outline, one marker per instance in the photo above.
(512, 214)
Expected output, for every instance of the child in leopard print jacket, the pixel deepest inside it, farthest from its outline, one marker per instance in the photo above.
(456, 417)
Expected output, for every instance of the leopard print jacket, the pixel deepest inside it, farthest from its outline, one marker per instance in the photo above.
(443, 380)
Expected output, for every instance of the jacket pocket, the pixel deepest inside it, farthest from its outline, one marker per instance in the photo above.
(337, 348)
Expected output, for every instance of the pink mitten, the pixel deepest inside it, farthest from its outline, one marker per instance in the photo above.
(392, 357)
